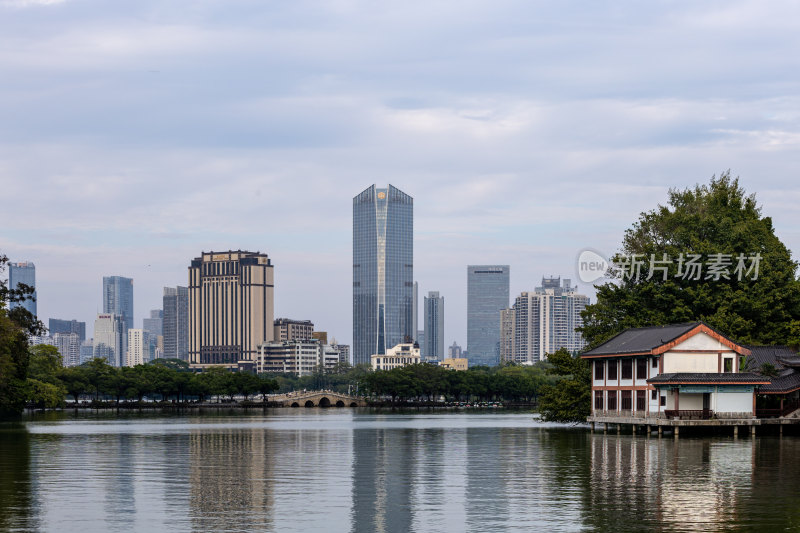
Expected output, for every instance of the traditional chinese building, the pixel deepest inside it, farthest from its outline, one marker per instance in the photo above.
(680, 374)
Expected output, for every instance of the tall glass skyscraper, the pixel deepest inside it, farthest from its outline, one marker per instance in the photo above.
(434, 326)
(118, 299)
(487, 295)
(24, 273)
(383, 271)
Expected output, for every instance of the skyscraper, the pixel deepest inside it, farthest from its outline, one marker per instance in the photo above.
(176, 323)
(155, 324)
(69, 346)
(138, 347)
(383, 271)
(23, 273)
(434, 326)
(544, 321)
(231, 308)
(415, 304)
(108, 342)
(118, 298)
(67, 326)
(487, 295)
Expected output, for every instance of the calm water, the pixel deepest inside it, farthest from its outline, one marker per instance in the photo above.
(342, 470)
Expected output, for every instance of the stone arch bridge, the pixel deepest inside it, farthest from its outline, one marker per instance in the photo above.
(319, 398)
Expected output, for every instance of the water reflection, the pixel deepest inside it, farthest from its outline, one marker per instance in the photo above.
(15, 479)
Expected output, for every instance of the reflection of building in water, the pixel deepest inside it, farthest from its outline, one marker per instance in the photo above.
(231, 480)
(666, 484)
(485, 485)
(383, 467)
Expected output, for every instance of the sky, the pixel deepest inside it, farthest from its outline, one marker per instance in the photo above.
(134, 135)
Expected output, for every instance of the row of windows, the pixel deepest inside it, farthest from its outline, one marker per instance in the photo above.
(626, 400)
(625, 367)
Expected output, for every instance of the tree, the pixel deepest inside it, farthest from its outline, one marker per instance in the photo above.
(98, 373)
(266, 385)
(718, 218)
(74, 380)
(569, 398)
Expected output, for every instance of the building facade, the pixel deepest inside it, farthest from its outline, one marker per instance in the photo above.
(138, 347)
(118, 298)
(542, 322)
(383, 271)
(397, 356)
(231, 308)
(287, 329)
(454, 351)
(56, 325)
(298, 357)
(108, 342)
(69, 346)
(487, 295)
(175, 324)
(455, 363)
(23, 273)
(677, 371)
(434, 326)
(155, 324)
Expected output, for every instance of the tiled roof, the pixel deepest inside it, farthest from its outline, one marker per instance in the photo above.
(637, 340)
(708, 378)
(786, 362)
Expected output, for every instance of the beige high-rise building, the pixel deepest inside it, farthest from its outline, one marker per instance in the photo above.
(231, 308)
(507, 323)
(138, 346)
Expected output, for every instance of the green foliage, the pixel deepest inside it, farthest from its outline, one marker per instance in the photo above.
(769, 370)
(569, 398)
(707, 219)
(45, 395)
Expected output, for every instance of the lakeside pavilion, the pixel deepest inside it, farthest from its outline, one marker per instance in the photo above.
(691, 375)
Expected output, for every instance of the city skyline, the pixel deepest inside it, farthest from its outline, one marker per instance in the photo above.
(137, 169)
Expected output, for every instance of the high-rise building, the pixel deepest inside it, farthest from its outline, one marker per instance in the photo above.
(175, 324)
(343, 350)
(87, 351)
(23, 273)
(287, 329)
(487, 294)
(56, 325)
(434, 326)
(415, 303)
(69, 346)
(454, 351)
(108, 331)
(383, 271)
(118, 298)
(155, 324)
(231, 308)
(544, 321)
(138, 347)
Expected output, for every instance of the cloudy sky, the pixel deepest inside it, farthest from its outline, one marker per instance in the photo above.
(134, 135)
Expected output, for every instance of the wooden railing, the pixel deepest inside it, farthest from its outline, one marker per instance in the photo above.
(778, 412)
(687, 414)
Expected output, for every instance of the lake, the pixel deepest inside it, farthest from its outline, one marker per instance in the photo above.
(358, 470)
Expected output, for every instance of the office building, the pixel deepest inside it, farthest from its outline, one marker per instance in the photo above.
(69, 346)
(108, 342)
(155, 324)
(138, 347)
(23, 273)
(118, 298)
(434, 326)
(298, 357)
(415, 303)
(87, 351)
(231, 308)
(487, 294)
(454, 351)
(175, 324)
(56, 325)
(287, 329)
(543, 321)
(383, 271)
(343, 350)
(397, 356)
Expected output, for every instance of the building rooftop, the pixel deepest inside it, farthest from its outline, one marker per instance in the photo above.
(682, 378)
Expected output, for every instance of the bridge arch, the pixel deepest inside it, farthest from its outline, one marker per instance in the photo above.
(309, 403)
(353, 404)
(339, 403)
(295, 404)
(324, 402)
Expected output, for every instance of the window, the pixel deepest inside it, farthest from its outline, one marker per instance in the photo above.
(626, 398)
(653, 394)
(641, 368)
(612, 400)
(663, 401)
(598, 369)
(612, 370)
(655, 362)
(598, 400)
(627, 369)
(727, 364)
(641, 400)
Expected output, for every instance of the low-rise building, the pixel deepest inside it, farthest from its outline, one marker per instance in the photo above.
(300, 357)
(400, 355)
(455, 363)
